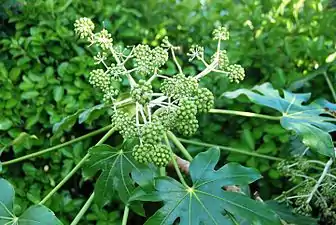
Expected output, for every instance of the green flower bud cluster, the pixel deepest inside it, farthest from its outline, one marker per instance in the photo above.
(115, 72)
(221, 33)
(143, 153)
(159, 155)
(99, 79)
(110, 94)
(142, 92)
(195, 51)
(186, 121)
(204, 100)
(146, 60)
(104, 39)
(236, 73)
(152, 132)
(179, 86)
(223, 59)
(166, 116)
(84, 27)
(124, 124)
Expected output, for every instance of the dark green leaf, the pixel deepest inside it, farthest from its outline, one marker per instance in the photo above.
(65, 124)
(116, 165)
(92, 113)
(305, 120)
(35, 215)
(285, 213)
(205, 202)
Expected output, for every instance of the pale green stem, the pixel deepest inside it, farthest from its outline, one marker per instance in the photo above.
(176, 62)
(330, 86)
(125, 216)
(57, 146)
(179, 145)
(242, 113)
(178, 172)
(162, 171)
(318, 183)
(83, 210)
(76, 168)
(177, 169)
(230, 149)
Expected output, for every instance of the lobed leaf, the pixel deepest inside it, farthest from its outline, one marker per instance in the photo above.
(116, 166)
(306, 120)
(205, 202)
(34, 215)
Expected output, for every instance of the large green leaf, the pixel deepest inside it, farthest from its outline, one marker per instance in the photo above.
(306, 120)
(205, 202)
(34, 215)
(116, 166)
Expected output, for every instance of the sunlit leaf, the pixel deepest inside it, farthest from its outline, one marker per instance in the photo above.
(306, 120)
(205, 202)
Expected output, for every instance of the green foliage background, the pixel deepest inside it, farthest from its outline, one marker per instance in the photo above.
(44, 71)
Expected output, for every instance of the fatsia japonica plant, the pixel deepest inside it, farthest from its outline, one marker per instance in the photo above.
(150, 110)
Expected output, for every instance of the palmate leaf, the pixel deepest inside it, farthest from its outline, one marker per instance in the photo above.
(35, 215)
(116, 165)
(205, 202)
(306, 120)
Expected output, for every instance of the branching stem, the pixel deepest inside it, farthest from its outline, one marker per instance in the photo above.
(317, 185)
(35, 154)
(330, 85)
(83, 210)
(179, 145)
(242, 113)
(75, 169)
(241, 151)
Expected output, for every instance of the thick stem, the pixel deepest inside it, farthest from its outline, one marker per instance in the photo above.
(75, 169)
(179, 145)
(242, 113)
(177, 169)
(207, 70)
(230, 149)
(57, 146)
(83, 210)
(317, 185)
(125, 216)
(162, 171)
(330, 85)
